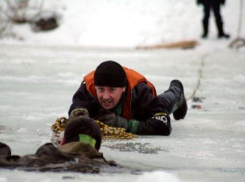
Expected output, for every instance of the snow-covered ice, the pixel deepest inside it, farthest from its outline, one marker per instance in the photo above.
(39, 76)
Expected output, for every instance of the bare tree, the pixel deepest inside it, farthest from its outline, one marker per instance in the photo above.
(6, 28)
(25, 11)
(3, 25)
(16, 10)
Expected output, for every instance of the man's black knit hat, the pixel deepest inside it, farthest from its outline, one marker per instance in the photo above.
(111, 74)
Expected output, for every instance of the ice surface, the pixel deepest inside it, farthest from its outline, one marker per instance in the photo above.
(37, 83)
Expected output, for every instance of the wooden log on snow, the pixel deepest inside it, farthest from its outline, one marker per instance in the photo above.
(184, 44)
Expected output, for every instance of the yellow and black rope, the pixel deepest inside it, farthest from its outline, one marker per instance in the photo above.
(108, 132)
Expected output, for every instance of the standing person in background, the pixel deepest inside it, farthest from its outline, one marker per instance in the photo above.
(213, 5)
(122, 97)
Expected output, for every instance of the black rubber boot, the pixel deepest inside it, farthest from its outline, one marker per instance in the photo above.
(180, 108)
(227, 36)
(205, 29)
(221, 33)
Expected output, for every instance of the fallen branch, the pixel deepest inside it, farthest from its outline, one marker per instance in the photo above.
(184, 44)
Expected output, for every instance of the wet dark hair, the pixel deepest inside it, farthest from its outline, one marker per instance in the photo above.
(4, 150)
(83, 125)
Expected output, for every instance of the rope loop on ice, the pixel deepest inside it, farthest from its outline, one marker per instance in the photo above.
(200, 75)
(238, 42)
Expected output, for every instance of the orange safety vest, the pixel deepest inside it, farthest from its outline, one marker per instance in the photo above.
(133, 78)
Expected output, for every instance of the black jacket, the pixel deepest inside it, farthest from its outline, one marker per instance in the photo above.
(211, 2)
(143, 106)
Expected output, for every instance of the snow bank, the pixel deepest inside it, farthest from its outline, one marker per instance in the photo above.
(126, 23)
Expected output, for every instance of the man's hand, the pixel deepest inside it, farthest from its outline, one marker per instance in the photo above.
(113, 120)
(159, 124)
(79, 112)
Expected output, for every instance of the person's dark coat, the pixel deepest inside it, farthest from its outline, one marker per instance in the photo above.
(211, 2)
(143, 106)
(74, 157)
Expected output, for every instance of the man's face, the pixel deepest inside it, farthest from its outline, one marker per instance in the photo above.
(109, 97)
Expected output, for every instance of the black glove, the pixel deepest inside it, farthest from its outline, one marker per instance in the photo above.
(159, 124)
(79, 112)
(113, 120)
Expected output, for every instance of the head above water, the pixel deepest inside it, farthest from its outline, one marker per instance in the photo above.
(110, 83)
(4, 150)
(81, 127)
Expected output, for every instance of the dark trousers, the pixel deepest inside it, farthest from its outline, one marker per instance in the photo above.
(216, 10)
(219, 23)
(171, 99)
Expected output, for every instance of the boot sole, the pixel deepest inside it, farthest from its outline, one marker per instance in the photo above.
(182, 110)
